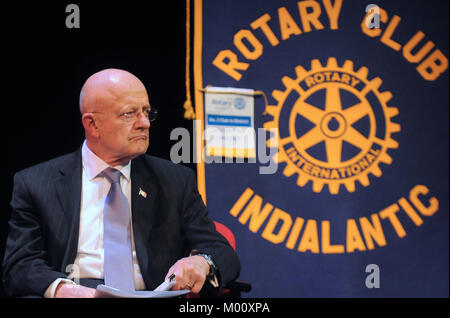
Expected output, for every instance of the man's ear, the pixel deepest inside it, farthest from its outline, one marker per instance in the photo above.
(90, 124)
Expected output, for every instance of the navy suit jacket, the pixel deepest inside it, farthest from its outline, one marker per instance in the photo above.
(167, 225)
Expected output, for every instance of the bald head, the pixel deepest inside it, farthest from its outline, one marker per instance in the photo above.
(107, 86)
(114, 106)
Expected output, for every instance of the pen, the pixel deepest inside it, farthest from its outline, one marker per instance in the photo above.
(172, 277)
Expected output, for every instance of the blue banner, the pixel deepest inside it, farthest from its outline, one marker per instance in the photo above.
(356, 122)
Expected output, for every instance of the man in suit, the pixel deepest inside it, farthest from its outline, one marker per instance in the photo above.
(63, 210)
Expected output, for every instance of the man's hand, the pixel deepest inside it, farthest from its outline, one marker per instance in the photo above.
(190, 273)
(73, 291)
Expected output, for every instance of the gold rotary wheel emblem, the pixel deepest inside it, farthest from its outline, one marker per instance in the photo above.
(326, 121)
(333, 126)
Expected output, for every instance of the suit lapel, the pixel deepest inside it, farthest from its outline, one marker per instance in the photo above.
(68, 189)
(144, 190)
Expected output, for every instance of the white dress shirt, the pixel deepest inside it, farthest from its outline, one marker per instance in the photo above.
(94, 189)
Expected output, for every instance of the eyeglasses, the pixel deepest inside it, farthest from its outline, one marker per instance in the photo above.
(133, 115)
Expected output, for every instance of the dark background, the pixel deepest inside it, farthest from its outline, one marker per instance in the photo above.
(45, 65)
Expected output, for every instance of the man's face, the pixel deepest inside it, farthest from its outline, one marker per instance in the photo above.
(123, 125)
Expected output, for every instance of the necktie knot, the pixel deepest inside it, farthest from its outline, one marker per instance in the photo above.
(113, 175)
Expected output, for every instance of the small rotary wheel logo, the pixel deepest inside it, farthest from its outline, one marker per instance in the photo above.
(333, 126)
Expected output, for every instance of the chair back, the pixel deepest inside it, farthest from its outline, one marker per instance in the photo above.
(226, 232)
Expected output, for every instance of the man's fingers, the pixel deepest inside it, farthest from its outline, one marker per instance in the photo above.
(197, 287)
(74, 291)
(188, 282)
(183, 282)
(171, 271)
(190, 274)
(178, 283)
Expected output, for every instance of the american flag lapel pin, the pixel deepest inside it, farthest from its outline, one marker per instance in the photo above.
(142, 193)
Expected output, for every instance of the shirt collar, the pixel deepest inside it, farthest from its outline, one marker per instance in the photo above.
(94, 165)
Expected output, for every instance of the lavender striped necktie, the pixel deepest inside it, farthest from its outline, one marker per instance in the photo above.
(118, 258)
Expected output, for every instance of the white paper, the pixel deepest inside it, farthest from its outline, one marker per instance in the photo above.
(162, 291)
(166, 285)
